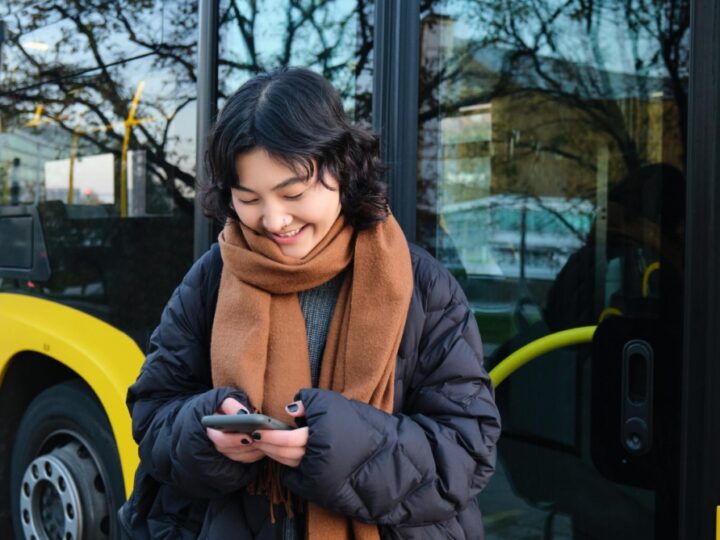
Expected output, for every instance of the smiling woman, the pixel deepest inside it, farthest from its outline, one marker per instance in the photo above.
(312, 309)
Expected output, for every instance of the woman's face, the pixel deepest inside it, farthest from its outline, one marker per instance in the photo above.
(296, 213)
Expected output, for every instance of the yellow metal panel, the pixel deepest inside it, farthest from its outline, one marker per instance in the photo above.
(106, 359)
(717, 526)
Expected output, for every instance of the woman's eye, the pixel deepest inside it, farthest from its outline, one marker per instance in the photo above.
(252, 201)
(294, 197)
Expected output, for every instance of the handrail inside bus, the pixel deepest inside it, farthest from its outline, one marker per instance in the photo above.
(532, 350)
(652, 267)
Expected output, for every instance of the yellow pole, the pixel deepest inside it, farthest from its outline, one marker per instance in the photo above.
(129, 121)
(37, 117)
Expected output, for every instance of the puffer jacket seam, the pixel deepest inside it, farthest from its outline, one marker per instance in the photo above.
(374, 454)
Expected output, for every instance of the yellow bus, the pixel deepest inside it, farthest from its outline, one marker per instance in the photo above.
(560, 158)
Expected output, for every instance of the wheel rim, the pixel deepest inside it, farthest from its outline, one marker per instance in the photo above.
(62, 494)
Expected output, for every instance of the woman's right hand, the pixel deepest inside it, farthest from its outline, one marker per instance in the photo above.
(235, 446)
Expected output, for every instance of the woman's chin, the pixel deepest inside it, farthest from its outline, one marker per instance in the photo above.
(298, 249)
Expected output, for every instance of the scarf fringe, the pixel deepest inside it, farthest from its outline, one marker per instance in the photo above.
(269, 485)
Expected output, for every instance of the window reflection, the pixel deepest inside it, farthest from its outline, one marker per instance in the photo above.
(56, 38)
(528, 120)
(334, 38)
(551, 160)
(97, 149)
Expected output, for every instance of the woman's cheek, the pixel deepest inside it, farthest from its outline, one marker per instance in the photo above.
(247, 216)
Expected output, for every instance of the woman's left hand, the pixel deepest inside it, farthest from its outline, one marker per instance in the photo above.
(286, 447)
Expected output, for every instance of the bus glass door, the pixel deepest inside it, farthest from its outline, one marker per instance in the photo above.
(551, 164)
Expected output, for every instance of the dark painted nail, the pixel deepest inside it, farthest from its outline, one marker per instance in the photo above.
(293, 407)
(256, 436)
(245, 441)
(242, 411)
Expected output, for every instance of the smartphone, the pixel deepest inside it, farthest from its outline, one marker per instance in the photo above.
(242, 423)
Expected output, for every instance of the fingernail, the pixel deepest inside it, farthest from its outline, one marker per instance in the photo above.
(293, 407)
(242, 411)
(245, 441)
(256, 436)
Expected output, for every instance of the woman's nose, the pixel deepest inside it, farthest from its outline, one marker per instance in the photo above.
(275, 219)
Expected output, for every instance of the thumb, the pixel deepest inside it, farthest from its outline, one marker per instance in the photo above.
(296, 409)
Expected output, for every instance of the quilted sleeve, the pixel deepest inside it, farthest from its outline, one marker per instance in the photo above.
(174, 390)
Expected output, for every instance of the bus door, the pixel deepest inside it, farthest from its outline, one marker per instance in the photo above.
(551, 182)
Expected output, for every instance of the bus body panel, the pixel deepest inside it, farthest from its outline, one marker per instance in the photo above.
(105, 358)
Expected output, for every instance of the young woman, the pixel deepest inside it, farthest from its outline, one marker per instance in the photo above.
(313, 309)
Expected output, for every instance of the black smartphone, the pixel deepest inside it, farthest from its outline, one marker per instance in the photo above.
(242, 423)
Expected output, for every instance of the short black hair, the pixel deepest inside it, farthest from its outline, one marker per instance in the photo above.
(297, 117)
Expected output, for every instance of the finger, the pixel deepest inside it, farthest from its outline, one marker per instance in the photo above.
(231, 406)
(280, 452)
(296, 409)
(290, 462)
(290, 437)
(246, 454)
(228, 441)
(250, 456)
(287, 455)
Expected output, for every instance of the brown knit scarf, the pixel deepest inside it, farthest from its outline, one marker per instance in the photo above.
(259, 342)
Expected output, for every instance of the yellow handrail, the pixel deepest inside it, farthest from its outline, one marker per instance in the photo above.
(532, 350)
(652, 267)
(609, 311)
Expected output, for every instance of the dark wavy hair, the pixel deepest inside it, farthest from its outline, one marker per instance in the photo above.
(297, 117)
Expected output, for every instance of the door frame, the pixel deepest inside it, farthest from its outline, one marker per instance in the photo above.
(396, 73)
(700, 447)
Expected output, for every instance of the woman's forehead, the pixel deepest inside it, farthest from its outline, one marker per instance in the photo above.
(259, 169)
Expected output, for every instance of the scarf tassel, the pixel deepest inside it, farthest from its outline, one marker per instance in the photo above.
(269, 485)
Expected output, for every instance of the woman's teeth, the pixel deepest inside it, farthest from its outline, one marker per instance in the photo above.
(289, 234)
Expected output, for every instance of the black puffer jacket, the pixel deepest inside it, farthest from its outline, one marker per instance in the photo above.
(416, 473)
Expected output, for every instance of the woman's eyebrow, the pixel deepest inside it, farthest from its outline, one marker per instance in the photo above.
(289, 182)
(281, 185)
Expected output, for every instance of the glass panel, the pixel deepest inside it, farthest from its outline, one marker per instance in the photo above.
(102, 163)
(59, 38)
(334, 37)
(551, 159)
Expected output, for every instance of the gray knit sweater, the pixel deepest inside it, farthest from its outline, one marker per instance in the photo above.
(317, 307)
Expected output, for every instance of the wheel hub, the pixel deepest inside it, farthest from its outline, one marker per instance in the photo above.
(62, 495)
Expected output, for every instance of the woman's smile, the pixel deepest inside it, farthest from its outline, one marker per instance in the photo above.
(288, 237)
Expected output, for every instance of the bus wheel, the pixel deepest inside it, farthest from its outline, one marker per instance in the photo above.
(65, 477)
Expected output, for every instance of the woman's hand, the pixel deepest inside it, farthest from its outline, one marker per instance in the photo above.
(286, 447)
(235, 446)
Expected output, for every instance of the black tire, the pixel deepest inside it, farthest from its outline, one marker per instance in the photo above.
(66, 482)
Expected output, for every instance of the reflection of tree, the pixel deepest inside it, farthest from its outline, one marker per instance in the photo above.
(322, 34)
(603, 59)
(86, 80)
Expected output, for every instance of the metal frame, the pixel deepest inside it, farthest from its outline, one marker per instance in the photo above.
(395, 102)
(700, 459)
(207, 61)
